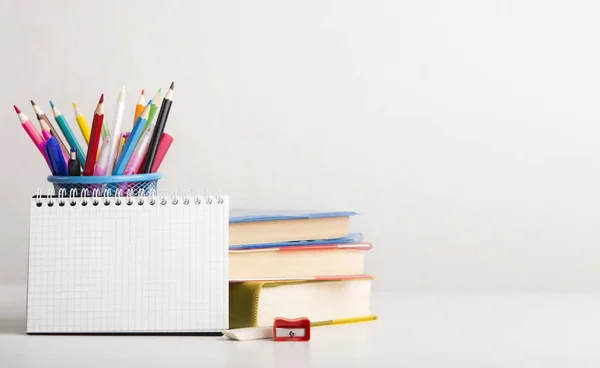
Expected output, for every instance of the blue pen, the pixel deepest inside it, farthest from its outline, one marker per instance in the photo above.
(56, 157)
(131, 142)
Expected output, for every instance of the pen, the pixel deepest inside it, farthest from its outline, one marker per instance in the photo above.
(74, 165)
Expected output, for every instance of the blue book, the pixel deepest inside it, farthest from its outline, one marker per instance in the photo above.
(352, 238)
(255, 226)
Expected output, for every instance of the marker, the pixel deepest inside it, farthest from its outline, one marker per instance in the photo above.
(67, 132)
(163, 148)
(74, 165)
(56, 158)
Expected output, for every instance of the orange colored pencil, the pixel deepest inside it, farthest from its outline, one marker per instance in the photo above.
(139, 107)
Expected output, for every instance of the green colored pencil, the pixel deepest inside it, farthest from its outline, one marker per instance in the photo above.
(153, 108)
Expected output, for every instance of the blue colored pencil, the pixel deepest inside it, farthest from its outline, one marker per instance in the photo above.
(131, 142)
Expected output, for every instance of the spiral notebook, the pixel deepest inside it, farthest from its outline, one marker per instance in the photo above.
(154, 264)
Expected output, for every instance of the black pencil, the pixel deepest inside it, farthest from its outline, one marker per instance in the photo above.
(159, 128)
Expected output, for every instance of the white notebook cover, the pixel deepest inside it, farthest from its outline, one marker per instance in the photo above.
(150, 267)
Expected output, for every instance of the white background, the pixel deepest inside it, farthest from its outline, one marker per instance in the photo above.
(465, 132)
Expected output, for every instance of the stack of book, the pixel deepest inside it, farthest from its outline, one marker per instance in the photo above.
(290, 265)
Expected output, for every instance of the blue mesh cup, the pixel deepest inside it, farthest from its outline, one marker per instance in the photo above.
(116, 185)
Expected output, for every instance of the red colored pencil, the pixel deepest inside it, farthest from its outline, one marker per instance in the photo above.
(92, 152)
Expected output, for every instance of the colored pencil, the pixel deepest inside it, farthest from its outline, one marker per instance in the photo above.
(161, 121)
(92, 152)
(105, 131)
(67, 132)
(116, 130)
(45, 124)
(33, 134)
(83, 124)
(46, 135)
(131, 141)
(155, 104)
(139, 107)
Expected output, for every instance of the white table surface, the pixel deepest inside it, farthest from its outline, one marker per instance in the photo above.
(414, 330)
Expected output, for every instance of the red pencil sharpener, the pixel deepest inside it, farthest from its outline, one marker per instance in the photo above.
(285, 329)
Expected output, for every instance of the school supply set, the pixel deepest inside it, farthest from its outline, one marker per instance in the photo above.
(285, 264)
(108, 252)
(111, 154)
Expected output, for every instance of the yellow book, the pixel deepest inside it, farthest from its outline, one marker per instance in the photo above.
(323, 302)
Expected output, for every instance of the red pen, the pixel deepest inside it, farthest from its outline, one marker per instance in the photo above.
(92, 152)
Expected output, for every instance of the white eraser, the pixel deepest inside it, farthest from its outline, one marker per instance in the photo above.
(249, 333)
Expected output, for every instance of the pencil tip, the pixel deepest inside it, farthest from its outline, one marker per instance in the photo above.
(32, 103)
(101, 99)
(160, 90)
(17, 109)
(142, 91)
(51, 104)
(74, 105)
(172, 85)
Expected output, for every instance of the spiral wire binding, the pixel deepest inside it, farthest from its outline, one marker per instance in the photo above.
(96, 196)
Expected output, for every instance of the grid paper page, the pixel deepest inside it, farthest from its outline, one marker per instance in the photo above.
(131, 268)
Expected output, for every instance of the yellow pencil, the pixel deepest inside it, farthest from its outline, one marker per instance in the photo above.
(139, 107)
(83, 124)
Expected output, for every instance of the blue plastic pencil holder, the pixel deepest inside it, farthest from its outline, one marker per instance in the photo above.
(117, 185)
